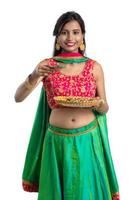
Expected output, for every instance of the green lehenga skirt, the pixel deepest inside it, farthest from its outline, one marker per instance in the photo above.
(77, 165)
(69, 164)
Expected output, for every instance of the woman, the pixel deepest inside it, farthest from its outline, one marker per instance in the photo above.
(69, 157)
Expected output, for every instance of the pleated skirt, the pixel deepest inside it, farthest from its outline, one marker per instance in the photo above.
(75, 165)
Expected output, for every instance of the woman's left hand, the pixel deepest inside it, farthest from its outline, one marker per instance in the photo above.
(99, 105)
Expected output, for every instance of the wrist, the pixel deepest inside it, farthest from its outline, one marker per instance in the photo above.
(31, 81)
(101, 111)
(28, 84)
(34, 77)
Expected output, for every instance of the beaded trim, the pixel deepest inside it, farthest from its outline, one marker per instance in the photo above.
(74, 134)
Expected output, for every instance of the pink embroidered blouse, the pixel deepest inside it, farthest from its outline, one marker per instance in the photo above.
(58, 84)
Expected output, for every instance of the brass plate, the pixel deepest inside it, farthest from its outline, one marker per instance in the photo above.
(75, 101)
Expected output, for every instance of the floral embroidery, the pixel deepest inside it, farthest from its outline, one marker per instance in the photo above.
(83, 89)
(116, 196)
(58, 84)
(30, 187)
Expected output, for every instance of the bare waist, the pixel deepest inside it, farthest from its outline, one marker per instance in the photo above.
(71, 117)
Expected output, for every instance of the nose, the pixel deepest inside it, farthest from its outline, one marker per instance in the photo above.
(70, 36)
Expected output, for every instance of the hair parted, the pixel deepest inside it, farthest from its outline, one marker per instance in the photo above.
(62, 20)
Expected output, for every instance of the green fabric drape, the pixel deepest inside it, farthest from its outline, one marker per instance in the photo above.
(67, 61)
(31, 170)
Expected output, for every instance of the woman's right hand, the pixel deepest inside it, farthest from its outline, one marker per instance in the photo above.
(45, 68)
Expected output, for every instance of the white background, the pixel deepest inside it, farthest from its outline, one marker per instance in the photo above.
(25, 39)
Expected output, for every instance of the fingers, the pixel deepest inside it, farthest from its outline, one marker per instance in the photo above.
(60, 65)
(47, 67)
(44, 70)
(99, 104)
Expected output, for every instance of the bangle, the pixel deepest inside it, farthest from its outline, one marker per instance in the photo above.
(27, 83)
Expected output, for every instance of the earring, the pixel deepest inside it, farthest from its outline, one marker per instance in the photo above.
(82, 46)
(57, 46)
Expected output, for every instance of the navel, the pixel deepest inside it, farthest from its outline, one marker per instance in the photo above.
(73, 120)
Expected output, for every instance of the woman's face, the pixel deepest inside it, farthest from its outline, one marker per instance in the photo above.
(71, 36)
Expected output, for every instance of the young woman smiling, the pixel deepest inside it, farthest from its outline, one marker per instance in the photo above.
(68, 157)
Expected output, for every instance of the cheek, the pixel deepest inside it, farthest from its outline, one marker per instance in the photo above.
(62, 39)
(80, 39)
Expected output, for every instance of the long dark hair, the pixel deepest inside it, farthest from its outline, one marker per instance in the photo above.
(63, 19)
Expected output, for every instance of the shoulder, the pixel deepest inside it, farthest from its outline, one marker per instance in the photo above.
(97, 67)
(97, 70)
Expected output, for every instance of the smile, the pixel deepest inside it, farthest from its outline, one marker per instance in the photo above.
(70, 44)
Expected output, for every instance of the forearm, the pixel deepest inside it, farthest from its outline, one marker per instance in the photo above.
(26, 87)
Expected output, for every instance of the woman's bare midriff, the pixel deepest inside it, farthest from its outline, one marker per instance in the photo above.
(70, 118)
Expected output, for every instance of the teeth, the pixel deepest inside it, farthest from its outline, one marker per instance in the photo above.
(70, 43)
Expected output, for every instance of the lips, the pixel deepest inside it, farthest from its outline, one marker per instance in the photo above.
(70, 44)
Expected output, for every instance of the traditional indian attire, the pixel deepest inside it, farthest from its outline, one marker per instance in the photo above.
(69, 164)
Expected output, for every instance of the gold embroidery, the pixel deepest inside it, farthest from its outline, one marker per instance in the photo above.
(83, 89)
(61, 89)
(74, 134)
(61, 75)
(72, 81)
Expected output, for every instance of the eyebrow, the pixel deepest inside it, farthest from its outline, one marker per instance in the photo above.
(72, 30)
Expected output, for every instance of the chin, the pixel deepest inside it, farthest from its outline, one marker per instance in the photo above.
(71, 50)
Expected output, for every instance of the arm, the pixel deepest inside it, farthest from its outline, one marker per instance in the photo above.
(42, 70)
(26, 87)
(100, 84)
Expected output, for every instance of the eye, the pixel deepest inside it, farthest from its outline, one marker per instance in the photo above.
(76, 32)
(63, 32)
